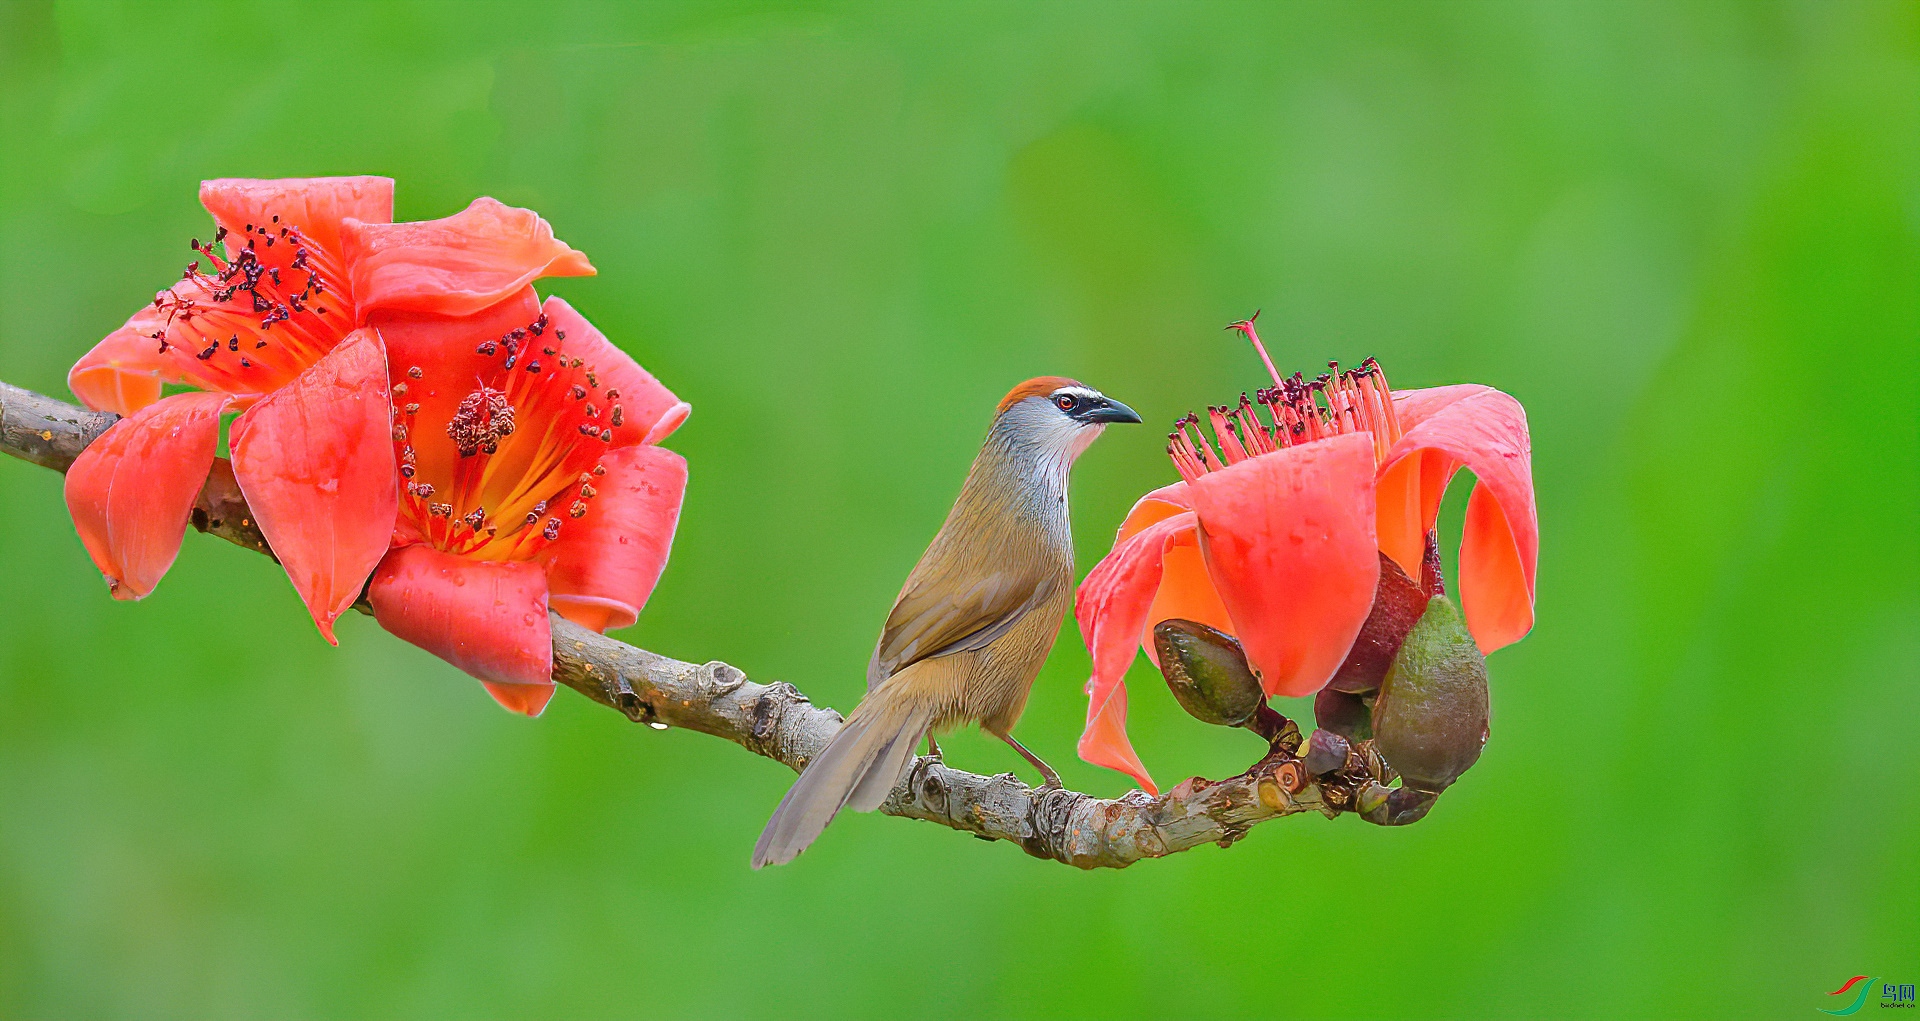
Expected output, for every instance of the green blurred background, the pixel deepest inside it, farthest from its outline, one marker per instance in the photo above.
(1684, 235)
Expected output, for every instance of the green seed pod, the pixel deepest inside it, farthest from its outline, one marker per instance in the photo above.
(1207, 673)
(1430, 720)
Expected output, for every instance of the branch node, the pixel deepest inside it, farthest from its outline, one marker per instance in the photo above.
(727, 678)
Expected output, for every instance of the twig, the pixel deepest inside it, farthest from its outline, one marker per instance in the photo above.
(778, 722)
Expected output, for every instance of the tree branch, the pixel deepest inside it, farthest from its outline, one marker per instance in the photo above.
(778, 722)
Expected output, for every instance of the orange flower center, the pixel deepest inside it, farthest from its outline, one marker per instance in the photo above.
(1299, 410)
(495, 472)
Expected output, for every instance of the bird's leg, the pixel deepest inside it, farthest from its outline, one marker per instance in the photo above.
(1046, 772)
(933, 747)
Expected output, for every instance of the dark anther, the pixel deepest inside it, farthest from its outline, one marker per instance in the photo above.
(415, 373)
(578, 510)
(552, 531)
(481, 420)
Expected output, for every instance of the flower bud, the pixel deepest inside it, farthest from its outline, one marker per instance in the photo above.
(1430, 719)
(1398, 603)
(1207, 673)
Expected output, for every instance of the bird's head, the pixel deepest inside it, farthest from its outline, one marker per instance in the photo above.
(1056, 416)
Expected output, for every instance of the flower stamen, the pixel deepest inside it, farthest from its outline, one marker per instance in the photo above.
(1301, 411)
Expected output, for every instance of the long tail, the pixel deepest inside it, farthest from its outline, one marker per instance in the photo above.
(858, 769)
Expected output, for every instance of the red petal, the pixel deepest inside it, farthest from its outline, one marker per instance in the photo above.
(604, 566)
(1112, 608)
(1485, 431)
(1289, 542)
(487, 617)
(650, 411)
(457, 265)
(1185, 590)
(124, 372)
(1158, 505)
(1408, 493)
(131, 490)
(1105, 743)
(318, 206)
(1496, 578)
(315, 462)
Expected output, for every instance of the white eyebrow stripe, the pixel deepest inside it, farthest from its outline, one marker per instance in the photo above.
(1078, 391)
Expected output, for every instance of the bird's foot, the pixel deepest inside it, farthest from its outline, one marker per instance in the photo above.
(1050, 780)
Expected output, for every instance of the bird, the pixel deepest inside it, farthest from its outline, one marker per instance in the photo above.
(975, 619)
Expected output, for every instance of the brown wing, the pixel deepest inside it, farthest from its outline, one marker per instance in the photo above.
(934, 620)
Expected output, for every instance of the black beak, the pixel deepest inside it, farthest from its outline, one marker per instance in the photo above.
(1106, 409)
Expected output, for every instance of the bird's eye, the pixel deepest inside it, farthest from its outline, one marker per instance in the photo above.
(1066, 402)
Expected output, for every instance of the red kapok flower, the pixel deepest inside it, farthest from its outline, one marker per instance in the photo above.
(271, 327)
(530, 478)
(1276, 537)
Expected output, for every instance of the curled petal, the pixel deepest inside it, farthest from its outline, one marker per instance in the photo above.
(1162, 503)
(1289, 542)
(315, 462)
(1485, 431)
(1105, 743)
(457, 265)
(601, 571)
(317, 206)
(131, 490)
(124, 372)
(1112, 608)
(487, 617)
(1496, 584)
(650, 411)
(1185, 590)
